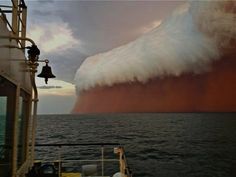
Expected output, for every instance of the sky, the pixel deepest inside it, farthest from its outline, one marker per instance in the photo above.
(67, 32)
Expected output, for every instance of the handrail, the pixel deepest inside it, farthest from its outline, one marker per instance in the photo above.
(77, 144)
(18, 38)
(63, 162)
(5, 6)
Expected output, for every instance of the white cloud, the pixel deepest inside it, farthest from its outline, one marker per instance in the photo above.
(151, 26)
(53, 37)
(177, 46)
(57, 88)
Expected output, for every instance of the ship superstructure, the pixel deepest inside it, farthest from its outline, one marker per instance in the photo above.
(16, 95)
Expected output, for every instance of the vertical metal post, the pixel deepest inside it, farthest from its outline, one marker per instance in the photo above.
(35, 104)
(23, 25)
(121, 159)
(24, 21)
(28, 137)
(59, 161)
(34, 125)
(102, 149)
(15, 132)
(15, 17)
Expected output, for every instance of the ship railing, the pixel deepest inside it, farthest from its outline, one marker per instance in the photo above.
(64, 162)
(14, 16)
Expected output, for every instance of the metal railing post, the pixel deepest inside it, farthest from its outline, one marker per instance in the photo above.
(15, 133)
(23, 25)
(59, 161)
(15, 17)
(102, 160)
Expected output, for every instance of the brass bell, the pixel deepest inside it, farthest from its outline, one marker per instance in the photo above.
(46, 72)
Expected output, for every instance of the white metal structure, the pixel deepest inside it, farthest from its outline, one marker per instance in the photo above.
(16, 93)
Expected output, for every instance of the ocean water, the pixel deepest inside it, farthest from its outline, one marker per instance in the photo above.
(157, 145)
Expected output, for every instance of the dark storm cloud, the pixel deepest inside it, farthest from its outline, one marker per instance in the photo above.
(108, 24)
(98, 25)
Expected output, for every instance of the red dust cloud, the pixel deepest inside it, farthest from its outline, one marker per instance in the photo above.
(188, 64)
(214, 91)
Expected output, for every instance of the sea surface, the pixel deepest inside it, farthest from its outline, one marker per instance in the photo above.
(157, 145)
